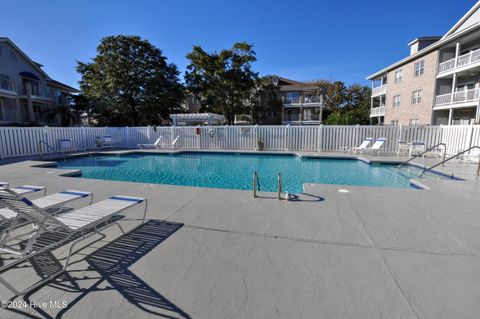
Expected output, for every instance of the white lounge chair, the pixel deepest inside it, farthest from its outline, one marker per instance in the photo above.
(51, 204)
(159, 144)
(54, 231)
(362, 146)
(26, 189)
(379, 142)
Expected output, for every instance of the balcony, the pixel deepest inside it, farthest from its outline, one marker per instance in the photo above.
(462, 62)
(36, 93)
(377, 111)
(379, 90)
(308, 118)
(309, 100)
(455, 98)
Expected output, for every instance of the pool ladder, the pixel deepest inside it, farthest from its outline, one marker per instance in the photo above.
(256, 186)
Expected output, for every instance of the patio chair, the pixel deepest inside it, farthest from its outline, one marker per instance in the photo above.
(54, 231)
(362, 146)
(379, 142)
(403, 147)
(105, 141)
(417, 148)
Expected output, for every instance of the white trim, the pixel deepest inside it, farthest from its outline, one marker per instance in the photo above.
(424, 51)
(462, 20)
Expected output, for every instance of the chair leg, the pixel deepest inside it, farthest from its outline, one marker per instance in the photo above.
(65, 264)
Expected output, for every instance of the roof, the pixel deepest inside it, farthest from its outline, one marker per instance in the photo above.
(290, 82)
(426, 38)
(62, 85)
(463, 19)
(38, 66)
(292, 85)
(451, 35)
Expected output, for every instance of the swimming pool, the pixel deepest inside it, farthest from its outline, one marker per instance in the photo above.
(235, 170)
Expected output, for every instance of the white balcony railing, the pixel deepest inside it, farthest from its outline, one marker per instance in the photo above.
(377, 111)
(309, 99)
(461, 61)
(457, 97)
(379, 90)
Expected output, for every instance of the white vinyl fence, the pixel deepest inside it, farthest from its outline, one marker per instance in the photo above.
(29, 141)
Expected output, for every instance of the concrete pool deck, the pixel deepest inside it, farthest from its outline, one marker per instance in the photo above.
(215, 253)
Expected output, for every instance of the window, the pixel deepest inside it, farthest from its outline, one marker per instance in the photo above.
(414, 122)
(1, 50)
(398, 76)
(416, 96)
(396, 101)
(419, 67)
(394, 123)
(292, 97)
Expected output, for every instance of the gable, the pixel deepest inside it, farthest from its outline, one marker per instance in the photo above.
(472, 17)
(15, 60)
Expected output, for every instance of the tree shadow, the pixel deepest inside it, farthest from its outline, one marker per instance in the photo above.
(111, 262)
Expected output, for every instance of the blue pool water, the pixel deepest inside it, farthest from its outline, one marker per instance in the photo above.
(235, 171)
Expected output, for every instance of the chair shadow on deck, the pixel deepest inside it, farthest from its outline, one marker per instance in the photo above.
(111, 262)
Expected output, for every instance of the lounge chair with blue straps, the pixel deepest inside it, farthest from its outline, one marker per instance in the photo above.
(54, 231)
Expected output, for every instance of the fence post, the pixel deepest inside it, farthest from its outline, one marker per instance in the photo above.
(256, 136)
(45, 137)
(470, 135)
(198, 136)
(320, 137)
(82, 134)
(399, 138)
(127, 139)
(149, 134)
(287, 130)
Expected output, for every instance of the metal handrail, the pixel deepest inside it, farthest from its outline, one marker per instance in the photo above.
(279, 188)
(40, 149)
(450, 158)
(255, 184)
(426, 151)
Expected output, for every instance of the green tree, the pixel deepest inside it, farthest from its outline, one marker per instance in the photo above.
(132, 81)
(344, 105)
(266, 97)
(223, 81)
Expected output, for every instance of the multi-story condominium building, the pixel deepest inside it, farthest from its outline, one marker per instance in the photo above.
(438, 83)
(301, 101)
(27, 93)
(300, 104)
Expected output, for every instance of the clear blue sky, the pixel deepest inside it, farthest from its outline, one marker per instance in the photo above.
(302, 40)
